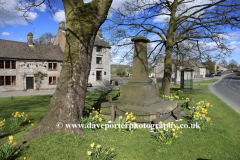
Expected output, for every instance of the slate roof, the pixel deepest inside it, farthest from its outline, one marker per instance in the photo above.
(101, 42)
(191, 63)
(21, 50)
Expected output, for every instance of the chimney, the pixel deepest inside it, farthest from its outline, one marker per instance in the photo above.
(100, 33)
(30, 39)
(61, 26)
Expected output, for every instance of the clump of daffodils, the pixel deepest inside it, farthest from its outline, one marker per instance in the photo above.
(9, 149)
(127, 122)
(199, 115)
(2, 126)
(100, 152)
(94, 117)
(18, 119)
(170, 98)
(168, 134)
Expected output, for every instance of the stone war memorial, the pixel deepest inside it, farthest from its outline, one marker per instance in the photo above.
(140, 96)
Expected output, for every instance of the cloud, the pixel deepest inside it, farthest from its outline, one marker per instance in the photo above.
(21, 39)
(5, 34)
(10, 16)
(59, 16)
(118, 58)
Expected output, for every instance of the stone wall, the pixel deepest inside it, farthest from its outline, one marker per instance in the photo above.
(27, 69)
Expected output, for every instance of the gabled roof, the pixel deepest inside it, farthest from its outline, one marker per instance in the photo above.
(21, 50)
(101, 42)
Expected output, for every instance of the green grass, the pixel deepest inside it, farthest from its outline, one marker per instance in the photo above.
(208, 81)
(221, 142)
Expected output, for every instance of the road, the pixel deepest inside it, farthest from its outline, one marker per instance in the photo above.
(228, 89)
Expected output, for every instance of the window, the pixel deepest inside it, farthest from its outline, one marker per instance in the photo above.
(13, 64)
(13, 80)
(7, 64)
(1, 80)
(99, 60)
(99, 49)
(52, 80)
(1, 64)
(105, 73)
(8, 81)
(99, 75)
(52, 66)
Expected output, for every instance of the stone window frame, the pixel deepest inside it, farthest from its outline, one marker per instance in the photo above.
(52, 66)
(53, 75)
(11, 66)
(11, 80)
(99, 49)
(98, 61)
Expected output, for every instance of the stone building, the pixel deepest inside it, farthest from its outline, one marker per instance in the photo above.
(199, 69)
(19, 61)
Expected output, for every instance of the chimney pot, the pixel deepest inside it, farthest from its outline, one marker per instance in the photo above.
(61, 26)
(100, 33)
(30, 39)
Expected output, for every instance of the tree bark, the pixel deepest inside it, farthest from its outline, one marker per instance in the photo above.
(169, 47)
(67, 104)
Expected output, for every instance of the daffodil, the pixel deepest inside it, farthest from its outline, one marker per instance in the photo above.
(10, 138)
(161, 131)
(107, 153)
(92, 145)
(89, 153)
(112, 149)
(98, 146)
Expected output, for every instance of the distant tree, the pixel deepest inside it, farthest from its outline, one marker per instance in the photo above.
(232, 64)
(46, 38)
(224, 62)
(120, 70)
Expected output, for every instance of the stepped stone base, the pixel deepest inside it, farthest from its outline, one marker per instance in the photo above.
(145, 114)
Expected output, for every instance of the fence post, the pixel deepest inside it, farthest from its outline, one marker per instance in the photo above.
(178, 111)
(112, 113)
(157, 120)
(191, 103)
(110, 98)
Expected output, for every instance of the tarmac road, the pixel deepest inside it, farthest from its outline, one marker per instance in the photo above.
(228, 89)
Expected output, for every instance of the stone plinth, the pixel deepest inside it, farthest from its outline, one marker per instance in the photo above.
(142, 114)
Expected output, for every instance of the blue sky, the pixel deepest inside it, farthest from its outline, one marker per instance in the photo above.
(14, 27)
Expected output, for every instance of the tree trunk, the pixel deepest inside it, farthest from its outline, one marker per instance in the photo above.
(67, 104)
(169, 47)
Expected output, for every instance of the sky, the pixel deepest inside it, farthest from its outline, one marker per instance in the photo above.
(14, 27)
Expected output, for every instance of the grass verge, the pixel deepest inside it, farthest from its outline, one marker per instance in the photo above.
(220, 142)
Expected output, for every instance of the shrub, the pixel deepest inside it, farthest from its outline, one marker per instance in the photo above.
(100, 152)
(8, 150)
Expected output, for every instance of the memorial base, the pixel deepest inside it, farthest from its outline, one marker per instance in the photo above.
(142, 114)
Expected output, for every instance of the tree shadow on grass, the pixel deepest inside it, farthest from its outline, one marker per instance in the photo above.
(95, 99)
